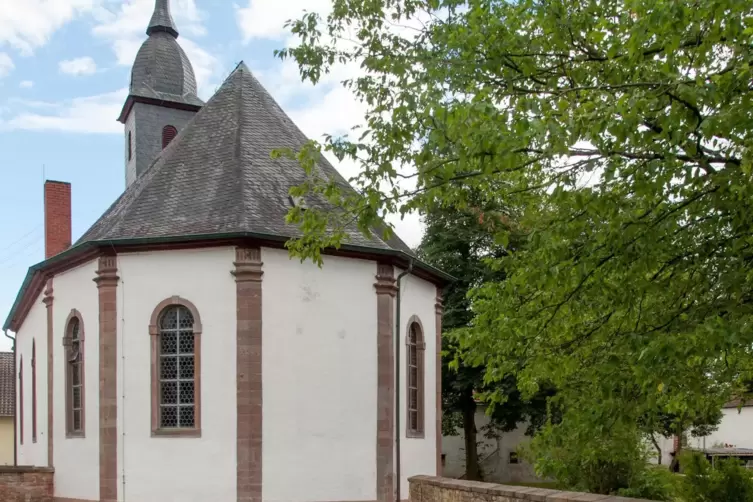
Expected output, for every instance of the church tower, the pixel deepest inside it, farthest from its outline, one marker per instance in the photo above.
(162, 97)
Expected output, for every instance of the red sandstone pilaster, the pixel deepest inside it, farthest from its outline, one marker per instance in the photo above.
(386, 290)
(107, 283)
(248, 278)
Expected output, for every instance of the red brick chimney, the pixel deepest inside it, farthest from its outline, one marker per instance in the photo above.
(57, 217)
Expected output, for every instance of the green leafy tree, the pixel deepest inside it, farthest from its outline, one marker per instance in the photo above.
(459, 242)
(618, 134)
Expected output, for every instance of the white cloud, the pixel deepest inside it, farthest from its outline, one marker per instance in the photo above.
(78, 66)
(6, 64)
(266, 18)
(125, 29)
(133, 18)
(92, 114)
(28, 24)
(26, 84)
(205, 66)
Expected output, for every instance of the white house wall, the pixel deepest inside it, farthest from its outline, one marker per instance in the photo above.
(419, 455)
(185, 469)
(76, 460)
(735, 429)
(320, 378)
(34, 328)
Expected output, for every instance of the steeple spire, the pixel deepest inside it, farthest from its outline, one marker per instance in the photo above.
(162, 20)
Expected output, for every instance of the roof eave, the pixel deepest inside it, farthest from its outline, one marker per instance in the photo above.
(39, 271)
(135, 98)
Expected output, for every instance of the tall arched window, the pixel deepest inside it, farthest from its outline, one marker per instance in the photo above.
(168, 134)
(175, 330)
(33, 391)
(415, 348)
(74, 375)
(21, 400)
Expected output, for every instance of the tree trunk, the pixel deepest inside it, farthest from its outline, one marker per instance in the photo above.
(658, 449)
(674, 466)
(472, 470)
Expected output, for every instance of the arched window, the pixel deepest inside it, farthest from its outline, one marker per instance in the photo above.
(168, 134)
(175, 330)
(33, 391)
(21, 400)
(415, 348)
(73, 342)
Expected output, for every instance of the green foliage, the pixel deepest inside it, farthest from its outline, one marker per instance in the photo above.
(727, 481)
(652, 483)
(461, 242)
(597, 463)
(616, 132)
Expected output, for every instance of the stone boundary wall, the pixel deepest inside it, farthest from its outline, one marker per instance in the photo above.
(433, 489)
(26, 484)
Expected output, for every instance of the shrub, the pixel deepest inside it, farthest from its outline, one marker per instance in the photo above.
(727, 481)
(653, 483)
(580, 460)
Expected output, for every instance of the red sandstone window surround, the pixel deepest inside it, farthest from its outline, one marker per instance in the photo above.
(75, 393)
(168, 134)
(175, 332)
(415, 348)
(33, 391)
(21, 400)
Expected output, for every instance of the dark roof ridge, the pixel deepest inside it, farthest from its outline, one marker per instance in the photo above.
(239, 147)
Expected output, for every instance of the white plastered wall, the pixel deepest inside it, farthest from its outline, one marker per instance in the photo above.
(320, 379)
(185, 469)
(735, 429)
(76, 460)
(33, 328)
(419, 455)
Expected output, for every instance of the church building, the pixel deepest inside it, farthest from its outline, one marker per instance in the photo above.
(176, 353)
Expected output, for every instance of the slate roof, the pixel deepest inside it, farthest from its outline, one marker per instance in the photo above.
(162, 70)
(162, 20)
(739, 403)
(217, 176)
(7, 387)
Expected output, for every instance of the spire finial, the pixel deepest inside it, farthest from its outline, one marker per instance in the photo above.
(162, 20)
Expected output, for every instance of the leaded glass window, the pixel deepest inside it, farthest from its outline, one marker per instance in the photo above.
(177, 369)
(75, 364)
(415, 380)
(33, 391)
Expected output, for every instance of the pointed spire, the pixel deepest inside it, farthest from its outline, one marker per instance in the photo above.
(162, 20)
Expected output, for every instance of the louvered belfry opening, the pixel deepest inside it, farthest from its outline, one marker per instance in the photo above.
(168, 134)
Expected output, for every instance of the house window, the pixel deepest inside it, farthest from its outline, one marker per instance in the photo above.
(168, 134)
(513, 458)
(130, 146)
(176, 369)
(415, 378)
(33, 391)
(21, 400)
(74, 375)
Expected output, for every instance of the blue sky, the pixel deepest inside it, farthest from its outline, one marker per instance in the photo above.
(64, 71)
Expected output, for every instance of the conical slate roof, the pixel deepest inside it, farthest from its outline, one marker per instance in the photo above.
(217, 176)
(162, 71)
(162, 20)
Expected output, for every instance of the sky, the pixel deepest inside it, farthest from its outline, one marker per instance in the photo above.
(64, 71)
